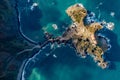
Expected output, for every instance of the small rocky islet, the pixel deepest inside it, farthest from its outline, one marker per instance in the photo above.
(84, 38)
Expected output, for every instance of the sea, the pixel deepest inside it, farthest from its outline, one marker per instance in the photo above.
(60, 62)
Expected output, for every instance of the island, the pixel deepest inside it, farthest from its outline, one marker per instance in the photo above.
(82, 36)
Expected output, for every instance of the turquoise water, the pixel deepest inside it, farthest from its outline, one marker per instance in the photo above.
(67, 66)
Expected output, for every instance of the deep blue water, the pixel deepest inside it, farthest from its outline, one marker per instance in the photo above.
(68, 66)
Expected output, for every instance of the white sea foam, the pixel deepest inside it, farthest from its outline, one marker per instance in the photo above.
(47, 54)
(52, 46)
(110, 25)
(81, 5)
(112, 14)
(28, 1)
(97, 7)
(33, 6)
(55, 26)
(100, 3)
(58, 46)
(54, 56)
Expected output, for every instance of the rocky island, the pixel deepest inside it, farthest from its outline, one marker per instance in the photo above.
(82, 36)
